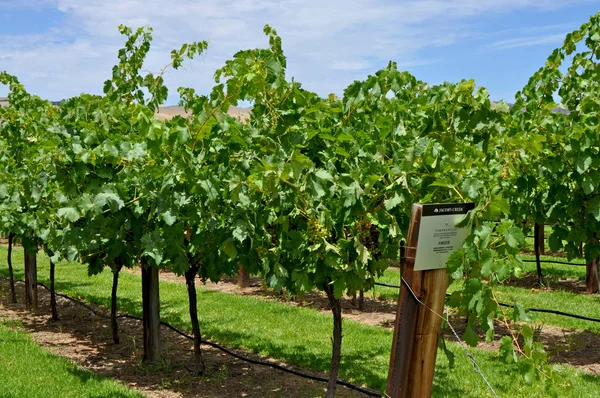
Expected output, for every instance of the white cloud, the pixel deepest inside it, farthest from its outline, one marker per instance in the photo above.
(328, 43)
(529, 41)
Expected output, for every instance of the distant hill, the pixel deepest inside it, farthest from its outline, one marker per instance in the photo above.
(167, 112)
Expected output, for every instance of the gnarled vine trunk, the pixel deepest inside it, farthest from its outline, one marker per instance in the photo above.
(53, 293)
(151, 313)
(113, 304)
(31, 297)
(336, 353)
(538, 245)
(190, 277)
(243, 279)
(592, 279)
(11, 275)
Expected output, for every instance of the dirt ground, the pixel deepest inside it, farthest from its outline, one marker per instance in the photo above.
(86, 339)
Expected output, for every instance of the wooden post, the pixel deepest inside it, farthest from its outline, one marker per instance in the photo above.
(592, 280)
(406, 315)
(243, 279)
(424, 348)
(31, 298)
(539, 237)
(151, 313)
(417, 328)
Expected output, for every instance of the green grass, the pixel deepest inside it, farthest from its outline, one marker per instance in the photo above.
(28, 371)
(296, 335)
(580, 304)
(555, 271)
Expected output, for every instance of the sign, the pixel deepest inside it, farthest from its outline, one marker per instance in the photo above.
(438, 234)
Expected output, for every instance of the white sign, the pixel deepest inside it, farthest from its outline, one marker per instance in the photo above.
(438, 234)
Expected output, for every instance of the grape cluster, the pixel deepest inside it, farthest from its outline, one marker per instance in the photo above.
(316, 231)
(368, 234)
(364, 229)
(261, 252)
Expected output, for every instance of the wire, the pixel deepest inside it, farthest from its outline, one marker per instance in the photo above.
(367, 391)
(476, 367)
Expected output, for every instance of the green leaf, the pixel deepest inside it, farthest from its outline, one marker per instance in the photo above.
(594, 208)
(449, 354)
(520, 313)
(110, 198)
(361, 251)
(514, 237)
(454, 265)
(582, 164)
(470, 336)
(230, 249)
(393, 201)
(324, 175)
(507, 350)
(70, 213)
(168, 217)
(471, 187)
(587, 184)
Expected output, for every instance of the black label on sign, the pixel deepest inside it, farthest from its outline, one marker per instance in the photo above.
(442, 209)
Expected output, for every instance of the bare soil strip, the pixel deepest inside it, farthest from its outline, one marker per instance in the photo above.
(86, 340)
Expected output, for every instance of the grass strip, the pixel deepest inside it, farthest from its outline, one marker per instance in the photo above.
(28, 371)
(300, 336)
(576, 303)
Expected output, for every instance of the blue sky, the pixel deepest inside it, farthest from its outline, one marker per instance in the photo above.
(61, 48)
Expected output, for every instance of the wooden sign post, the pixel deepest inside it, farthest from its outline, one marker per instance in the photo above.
(432, 237)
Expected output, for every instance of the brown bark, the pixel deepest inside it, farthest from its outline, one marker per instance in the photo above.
(11, 275)
(540, 238)
(53, 293)
(243, 277)
(406, 314)
(113, 304)
(190, 277)
(592, 280)
(31, 297)
(358, 300)
(336, 353)
(361, 300)
(427, 334)
(538, 245)
(151, 313)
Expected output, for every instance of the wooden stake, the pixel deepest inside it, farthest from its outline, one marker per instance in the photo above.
(406, 315)
(417, 327)
(425, 343)
(539, 237)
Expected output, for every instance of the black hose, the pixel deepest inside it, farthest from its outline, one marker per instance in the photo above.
(555, 262)
(367, 391)
(561, 313)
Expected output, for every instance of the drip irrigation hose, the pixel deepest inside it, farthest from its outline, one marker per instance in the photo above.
(547, 311)
(367, 391)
